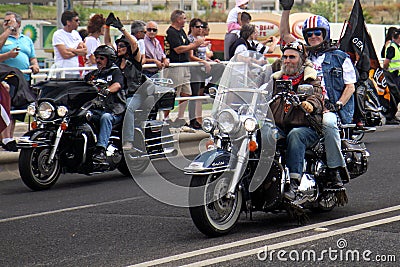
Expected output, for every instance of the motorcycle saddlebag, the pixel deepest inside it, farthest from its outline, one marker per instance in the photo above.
(355, 156)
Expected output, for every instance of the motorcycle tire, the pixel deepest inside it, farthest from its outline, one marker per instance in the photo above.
(35, 172)
(325, 203)
(123, 168)
(218, 217)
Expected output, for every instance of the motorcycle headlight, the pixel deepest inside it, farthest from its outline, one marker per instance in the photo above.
(208, 125)
(228, 121)
(250, 124)
(31, 109)
(62, 111)
(46, 110)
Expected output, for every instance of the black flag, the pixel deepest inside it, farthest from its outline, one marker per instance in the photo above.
(357, 42)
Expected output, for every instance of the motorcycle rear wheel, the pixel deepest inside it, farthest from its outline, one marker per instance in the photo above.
(35, 172)
(218, 217)
(326, 202)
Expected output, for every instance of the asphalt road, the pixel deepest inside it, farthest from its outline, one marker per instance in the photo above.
(107, 220)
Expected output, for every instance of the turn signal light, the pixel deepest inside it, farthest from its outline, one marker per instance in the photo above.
(64, 126)
(34, 125)
(253, 145)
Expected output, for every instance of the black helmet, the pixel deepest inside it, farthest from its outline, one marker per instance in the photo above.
(107, 51)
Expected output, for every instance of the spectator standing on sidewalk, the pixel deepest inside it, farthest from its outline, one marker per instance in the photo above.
(95, 30)
(68, 44)
(177, 48)
(16, 50)
(154, 51)
(392, 64)
(138, 31)
(197, 74)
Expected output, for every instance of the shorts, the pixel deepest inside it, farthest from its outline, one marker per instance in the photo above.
(181, 78)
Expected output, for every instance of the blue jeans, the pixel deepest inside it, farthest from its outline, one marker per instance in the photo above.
(133, 103)
(298, 140)
(107, 120)
(332, 141)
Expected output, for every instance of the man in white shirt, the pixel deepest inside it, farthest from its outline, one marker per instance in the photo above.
(68, 44)
(138, 31)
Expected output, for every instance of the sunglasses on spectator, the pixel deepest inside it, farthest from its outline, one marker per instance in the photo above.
(315, 32)
(121, 45)
(198, 26)
(152, 29)
(284, 57)
(100, 57)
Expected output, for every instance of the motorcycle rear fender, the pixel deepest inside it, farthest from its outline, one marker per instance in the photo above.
(209, 162)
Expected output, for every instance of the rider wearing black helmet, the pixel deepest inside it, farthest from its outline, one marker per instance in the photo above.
(112, 100)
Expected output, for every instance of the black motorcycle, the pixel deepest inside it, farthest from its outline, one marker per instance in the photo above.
(244, 167)
(63, 137)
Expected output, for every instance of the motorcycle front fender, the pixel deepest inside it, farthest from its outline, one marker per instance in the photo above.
(30, 139)
(209, 162)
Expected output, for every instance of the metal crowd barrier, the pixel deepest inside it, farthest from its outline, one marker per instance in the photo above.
(42, 76)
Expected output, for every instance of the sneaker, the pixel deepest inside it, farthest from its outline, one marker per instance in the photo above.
(194, 124)
(168, 121)
(179, 123)
(11, 146)
(127, 145)
(99, 155)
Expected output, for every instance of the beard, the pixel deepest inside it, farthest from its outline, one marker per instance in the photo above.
(292, 69)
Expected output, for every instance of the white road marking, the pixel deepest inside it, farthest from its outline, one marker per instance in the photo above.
(293, 242)
(265, 237)
(27, 216)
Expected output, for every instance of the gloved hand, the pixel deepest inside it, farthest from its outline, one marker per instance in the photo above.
(117, 24)
(307, 106)
(286, 4)
(104, 91)
(110, 19)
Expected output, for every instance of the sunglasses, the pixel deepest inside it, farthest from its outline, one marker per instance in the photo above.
(100, 57)
(198, 26)
(315, 32)
(152, 29)
(284, 57)
(121, 45)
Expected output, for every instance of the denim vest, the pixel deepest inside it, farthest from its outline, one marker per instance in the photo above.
(334, 83)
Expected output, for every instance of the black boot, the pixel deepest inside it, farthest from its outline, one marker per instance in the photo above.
(333, 178)
(99, 155)
(194, 124)
(290, 194)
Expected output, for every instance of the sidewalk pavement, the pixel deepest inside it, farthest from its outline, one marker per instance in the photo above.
(9, 160)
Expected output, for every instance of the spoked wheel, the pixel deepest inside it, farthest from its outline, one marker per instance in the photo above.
(35, 170)
(216, 214)
(326, 202)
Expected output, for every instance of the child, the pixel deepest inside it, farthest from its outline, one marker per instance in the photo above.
(234, 16)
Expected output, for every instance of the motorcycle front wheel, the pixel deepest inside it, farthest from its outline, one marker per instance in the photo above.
(219, 215)
(35, 170)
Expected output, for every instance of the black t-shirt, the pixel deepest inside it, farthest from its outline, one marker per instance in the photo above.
(114, 103)
(173, 39)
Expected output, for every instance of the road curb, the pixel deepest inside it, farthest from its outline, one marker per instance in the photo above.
(9, 160)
